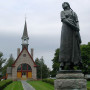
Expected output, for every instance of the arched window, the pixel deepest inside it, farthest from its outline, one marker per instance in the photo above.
(19, 67)
(24, 67)
(29, 68)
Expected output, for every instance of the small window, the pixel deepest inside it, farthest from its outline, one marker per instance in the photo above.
(24, 55)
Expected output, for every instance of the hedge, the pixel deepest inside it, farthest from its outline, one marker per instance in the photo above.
(4, 83)
(88, 88)
(51, 81)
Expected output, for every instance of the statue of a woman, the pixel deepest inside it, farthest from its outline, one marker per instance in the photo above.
(70, 55)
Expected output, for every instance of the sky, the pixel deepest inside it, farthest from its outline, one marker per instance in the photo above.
(43, 24)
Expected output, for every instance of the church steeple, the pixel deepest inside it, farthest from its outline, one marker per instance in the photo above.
(25, 37)
(25, 33)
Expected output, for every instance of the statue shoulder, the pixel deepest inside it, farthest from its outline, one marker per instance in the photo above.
(74, 13)
(76, 17)
(62, 12)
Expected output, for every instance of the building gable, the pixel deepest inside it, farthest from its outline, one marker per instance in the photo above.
(24, 54)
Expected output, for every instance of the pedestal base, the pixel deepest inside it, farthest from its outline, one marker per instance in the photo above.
(70, 81)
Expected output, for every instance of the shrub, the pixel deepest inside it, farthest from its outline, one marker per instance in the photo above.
(88, 79)
(88, 88)
(4, 83)
(51, 81)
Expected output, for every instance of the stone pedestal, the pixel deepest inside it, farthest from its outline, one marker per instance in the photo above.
(70, 80)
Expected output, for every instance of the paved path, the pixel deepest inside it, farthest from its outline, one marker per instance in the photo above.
(26, 86)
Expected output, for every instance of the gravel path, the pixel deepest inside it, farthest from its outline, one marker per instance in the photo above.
(26, 86)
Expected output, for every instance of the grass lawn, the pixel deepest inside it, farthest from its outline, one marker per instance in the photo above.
(16, 85)
(39, 85)
(88, 84)
(45, 86)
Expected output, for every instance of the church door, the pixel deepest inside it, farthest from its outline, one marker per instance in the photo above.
(24, 74)
(24, 71)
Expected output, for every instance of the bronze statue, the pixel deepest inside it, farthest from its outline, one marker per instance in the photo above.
(70, 55)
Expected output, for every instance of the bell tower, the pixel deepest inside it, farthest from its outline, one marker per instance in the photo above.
(25, 37)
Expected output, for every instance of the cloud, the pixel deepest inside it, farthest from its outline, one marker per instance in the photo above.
(43, 23)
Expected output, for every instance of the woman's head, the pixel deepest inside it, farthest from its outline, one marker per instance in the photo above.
(66, 5)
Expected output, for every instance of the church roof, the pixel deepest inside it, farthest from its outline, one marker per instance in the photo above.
(25, 33)
(20, 55)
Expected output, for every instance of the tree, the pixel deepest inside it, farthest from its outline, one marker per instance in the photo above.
(2, 61)
(38, 68)
(42, 70)
(85, 54)
(56, 63)
(9, 63)
(45, 71)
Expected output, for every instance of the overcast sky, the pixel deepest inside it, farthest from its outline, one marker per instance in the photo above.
(43, 24)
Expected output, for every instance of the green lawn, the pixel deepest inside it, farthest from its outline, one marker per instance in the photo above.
(45, 86)
(39, 85)
(16, 85)
(88, 84)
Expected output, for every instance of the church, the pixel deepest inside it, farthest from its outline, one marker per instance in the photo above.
(24, 66)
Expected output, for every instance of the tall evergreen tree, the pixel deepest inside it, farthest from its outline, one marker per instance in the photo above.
(9, 63)
(56, 63)
(2, 61)
(38, 68)
(42, 70)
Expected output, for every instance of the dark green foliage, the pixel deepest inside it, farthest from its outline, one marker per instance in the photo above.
(8, 64)
(0, 76)
(4, 83)
(10, 61)
(85, 54)
(1, 60)
(42, 69)
(88, 88)
(51, 81)
(88, 85)
(37, 61)
(56, 63)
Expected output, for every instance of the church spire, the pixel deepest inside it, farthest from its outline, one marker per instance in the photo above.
(25, 33)
(25, 37)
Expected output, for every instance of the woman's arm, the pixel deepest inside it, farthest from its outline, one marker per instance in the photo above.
(70, 24)
(65, 20)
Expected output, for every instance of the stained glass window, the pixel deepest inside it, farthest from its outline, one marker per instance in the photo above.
(24, 67)
(19, 67)
(29, 68)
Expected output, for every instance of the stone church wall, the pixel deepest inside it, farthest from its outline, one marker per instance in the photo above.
(24, 59)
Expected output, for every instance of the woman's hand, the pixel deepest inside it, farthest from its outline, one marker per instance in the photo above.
(70, 24)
